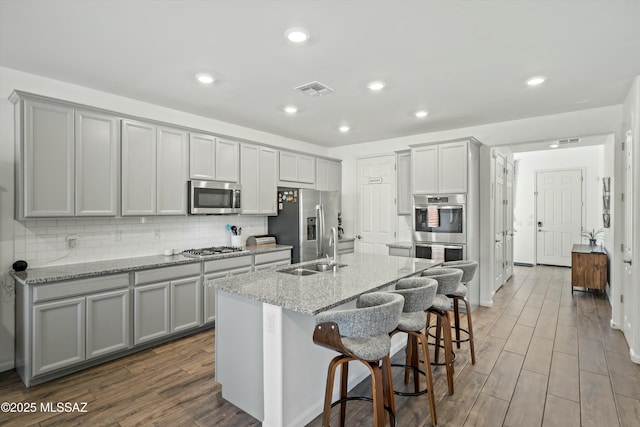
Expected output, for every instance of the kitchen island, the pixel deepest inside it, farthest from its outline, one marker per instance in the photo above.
(265, 357)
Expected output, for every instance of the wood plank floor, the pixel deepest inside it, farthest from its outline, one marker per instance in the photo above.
(544, 358)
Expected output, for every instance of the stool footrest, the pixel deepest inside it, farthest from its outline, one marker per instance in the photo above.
(442, 363)
(364, 399)
(415, 393)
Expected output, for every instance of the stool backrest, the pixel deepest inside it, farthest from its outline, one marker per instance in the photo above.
(468, 268)
(448, 279)
(418, 293)
(377, 313)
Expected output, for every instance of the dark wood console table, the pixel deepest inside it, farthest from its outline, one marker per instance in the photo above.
(588, 267)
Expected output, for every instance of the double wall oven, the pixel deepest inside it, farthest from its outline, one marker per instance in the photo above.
(439, 226)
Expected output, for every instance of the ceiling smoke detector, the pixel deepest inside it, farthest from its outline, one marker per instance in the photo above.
(314, 89)
(568, 141)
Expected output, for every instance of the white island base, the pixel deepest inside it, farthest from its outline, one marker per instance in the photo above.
(268, 365)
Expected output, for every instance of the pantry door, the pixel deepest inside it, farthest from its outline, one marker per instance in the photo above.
(558, 215)
(376, 195)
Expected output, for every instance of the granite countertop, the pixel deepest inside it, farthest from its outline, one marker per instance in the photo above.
(401, 245)
(35, 276)
(322, 291)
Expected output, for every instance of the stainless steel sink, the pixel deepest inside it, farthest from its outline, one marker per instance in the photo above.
(309, 269)
(298, 271)
(323, 266)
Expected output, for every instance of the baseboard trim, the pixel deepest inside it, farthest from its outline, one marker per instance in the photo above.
(615, 325)
(634, 357)
(7, 366)
(523, 264)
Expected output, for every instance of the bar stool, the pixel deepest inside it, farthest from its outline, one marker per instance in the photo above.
(361, 334)
(468, 268)
(448, 280)
(418, 293)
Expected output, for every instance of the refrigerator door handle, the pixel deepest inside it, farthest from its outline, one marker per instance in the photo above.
(320, 235)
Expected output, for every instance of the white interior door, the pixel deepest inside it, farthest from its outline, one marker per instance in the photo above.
(627, 311)
(508, 222)
(376, 182)
(558, 215)
(499, 223)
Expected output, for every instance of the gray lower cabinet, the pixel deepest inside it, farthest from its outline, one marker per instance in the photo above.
(166, 300)
(151, 312)
(65, 323)
(272, 260)
(108, 325)
(399, 251)
(220, 269)
(345, 246)
(58, 334)
(186, 304)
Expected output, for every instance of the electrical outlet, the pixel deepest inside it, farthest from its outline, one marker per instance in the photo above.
(72, 239)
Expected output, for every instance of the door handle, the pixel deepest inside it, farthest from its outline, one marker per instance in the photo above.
(627, 261)
(358, 236)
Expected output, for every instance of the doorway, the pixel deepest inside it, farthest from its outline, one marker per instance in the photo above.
(559, 211)
(376, 192)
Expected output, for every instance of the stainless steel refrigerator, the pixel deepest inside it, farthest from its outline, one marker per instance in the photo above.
(304, 220)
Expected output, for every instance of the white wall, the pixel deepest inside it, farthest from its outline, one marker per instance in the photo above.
(591, 158)
(43, 242)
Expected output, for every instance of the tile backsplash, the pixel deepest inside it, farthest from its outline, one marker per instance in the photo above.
(45, 242)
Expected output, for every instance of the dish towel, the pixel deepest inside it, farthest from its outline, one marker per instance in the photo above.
(433, 219)
(437, 253)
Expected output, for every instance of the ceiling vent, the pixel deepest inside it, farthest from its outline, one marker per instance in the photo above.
(568, 141)
(314, 89)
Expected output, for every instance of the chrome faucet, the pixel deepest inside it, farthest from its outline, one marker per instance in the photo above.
(333, 240)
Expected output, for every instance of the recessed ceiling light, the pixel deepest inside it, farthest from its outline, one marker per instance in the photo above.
(297, 35)
(376, 85)
(535, 81)
(344, 128)
(290, 109)
(420, 114)
(554, 145)
(204, 78)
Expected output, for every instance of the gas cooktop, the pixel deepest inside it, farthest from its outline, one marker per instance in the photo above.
(215, 250)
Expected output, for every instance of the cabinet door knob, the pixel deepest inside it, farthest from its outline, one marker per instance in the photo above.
(627, 261)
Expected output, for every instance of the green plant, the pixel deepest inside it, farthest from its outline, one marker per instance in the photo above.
(593, 234)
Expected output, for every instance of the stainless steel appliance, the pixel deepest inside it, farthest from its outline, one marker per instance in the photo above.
(439, 218)
(215, 250)
(214, 198)
(305, 218)
(439, 252)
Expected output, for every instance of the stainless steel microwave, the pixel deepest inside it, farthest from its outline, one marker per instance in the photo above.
(214, 198)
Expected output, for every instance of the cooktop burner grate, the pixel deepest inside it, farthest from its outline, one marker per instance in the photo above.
(214, 250)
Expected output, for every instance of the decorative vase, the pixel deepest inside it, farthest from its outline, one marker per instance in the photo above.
(592, 242)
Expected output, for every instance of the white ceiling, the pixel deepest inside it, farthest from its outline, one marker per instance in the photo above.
(464, 61)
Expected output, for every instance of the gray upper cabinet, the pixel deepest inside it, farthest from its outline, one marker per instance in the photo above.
(138, 168)
(202, 154)
(258, 176)
(297, 168)
(172, 171)
(96, 160)
(440, 168)
(328, 175)
(403, 170)
(212, 158)
(227, 160)
(46, 178)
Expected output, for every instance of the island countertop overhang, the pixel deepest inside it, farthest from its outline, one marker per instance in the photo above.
(323, 291)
